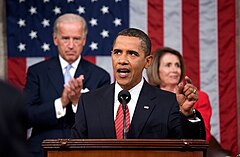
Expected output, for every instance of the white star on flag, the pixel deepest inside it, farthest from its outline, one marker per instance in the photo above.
(57, 10)
(21, 23)
(93, 46)
(104, 10)
(93, 22)
(45, 47)
(45, 23)
(33, 34)
(22, 47)
(81, 10)
(104, 33)
(117, 22)
(33, 10)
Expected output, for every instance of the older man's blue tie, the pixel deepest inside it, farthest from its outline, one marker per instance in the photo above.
(67, 75)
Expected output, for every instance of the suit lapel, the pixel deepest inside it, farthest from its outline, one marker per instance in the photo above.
(82, 69)
(142, 111)
(105, 104)
(55, 75)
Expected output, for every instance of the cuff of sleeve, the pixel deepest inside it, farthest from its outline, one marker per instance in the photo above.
(194, 120)
(60, 111)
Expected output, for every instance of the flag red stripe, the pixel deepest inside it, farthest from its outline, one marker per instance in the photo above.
(227, 74)
(155, 23)
(17, 71)
(190, 37)
(91, 59)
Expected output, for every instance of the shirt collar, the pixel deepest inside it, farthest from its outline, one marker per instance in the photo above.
(135, 91)
(64, 63)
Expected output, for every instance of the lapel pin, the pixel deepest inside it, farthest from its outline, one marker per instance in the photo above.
(146, 107)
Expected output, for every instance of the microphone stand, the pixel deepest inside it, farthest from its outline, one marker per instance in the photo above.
(124, 97)
(124, 119)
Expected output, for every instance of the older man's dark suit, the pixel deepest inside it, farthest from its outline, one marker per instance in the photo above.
(45, 84)
(156, 116)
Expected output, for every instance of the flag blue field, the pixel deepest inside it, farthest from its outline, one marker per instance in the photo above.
(30, 25)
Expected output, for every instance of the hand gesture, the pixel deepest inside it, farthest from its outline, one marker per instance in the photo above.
(187, 96)
(72, 92)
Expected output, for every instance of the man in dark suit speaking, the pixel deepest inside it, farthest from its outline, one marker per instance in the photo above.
(54, 86)
(150, 113)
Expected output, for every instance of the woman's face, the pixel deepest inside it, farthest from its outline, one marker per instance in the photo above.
(169, 70)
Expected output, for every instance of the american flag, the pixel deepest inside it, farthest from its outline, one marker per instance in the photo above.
(203, 31)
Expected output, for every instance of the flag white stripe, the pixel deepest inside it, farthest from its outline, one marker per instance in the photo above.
(138, 14)
(105, 62)
(173, 24)
(33, 60)
(209, 59)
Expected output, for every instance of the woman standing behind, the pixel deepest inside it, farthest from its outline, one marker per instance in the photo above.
(167, 70)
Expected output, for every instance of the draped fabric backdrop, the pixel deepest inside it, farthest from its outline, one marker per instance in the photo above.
(203, 31)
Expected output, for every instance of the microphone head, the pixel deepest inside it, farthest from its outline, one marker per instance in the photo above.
(124, 95)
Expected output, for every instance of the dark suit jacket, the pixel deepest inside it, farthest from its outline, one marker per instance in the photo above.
(45, 84)
(12, 122)
(95, 117)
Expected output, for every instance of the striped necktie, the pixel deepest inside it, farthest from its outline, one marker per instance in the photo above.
(119, 121)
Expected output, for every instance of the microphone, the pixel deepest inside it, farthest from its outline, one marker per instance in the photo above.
(124, 97)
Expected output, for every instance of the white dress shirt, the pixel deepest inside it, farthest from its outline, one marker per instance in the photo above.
(60, 111)
(135, 91)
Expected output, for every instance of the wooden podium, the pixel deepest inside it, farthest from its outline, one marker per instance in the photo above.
(124, 148)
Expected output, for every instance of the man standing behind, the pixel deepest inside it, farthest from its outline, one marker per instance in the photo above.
(12, 122)
(153, 113)
(54, 86)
